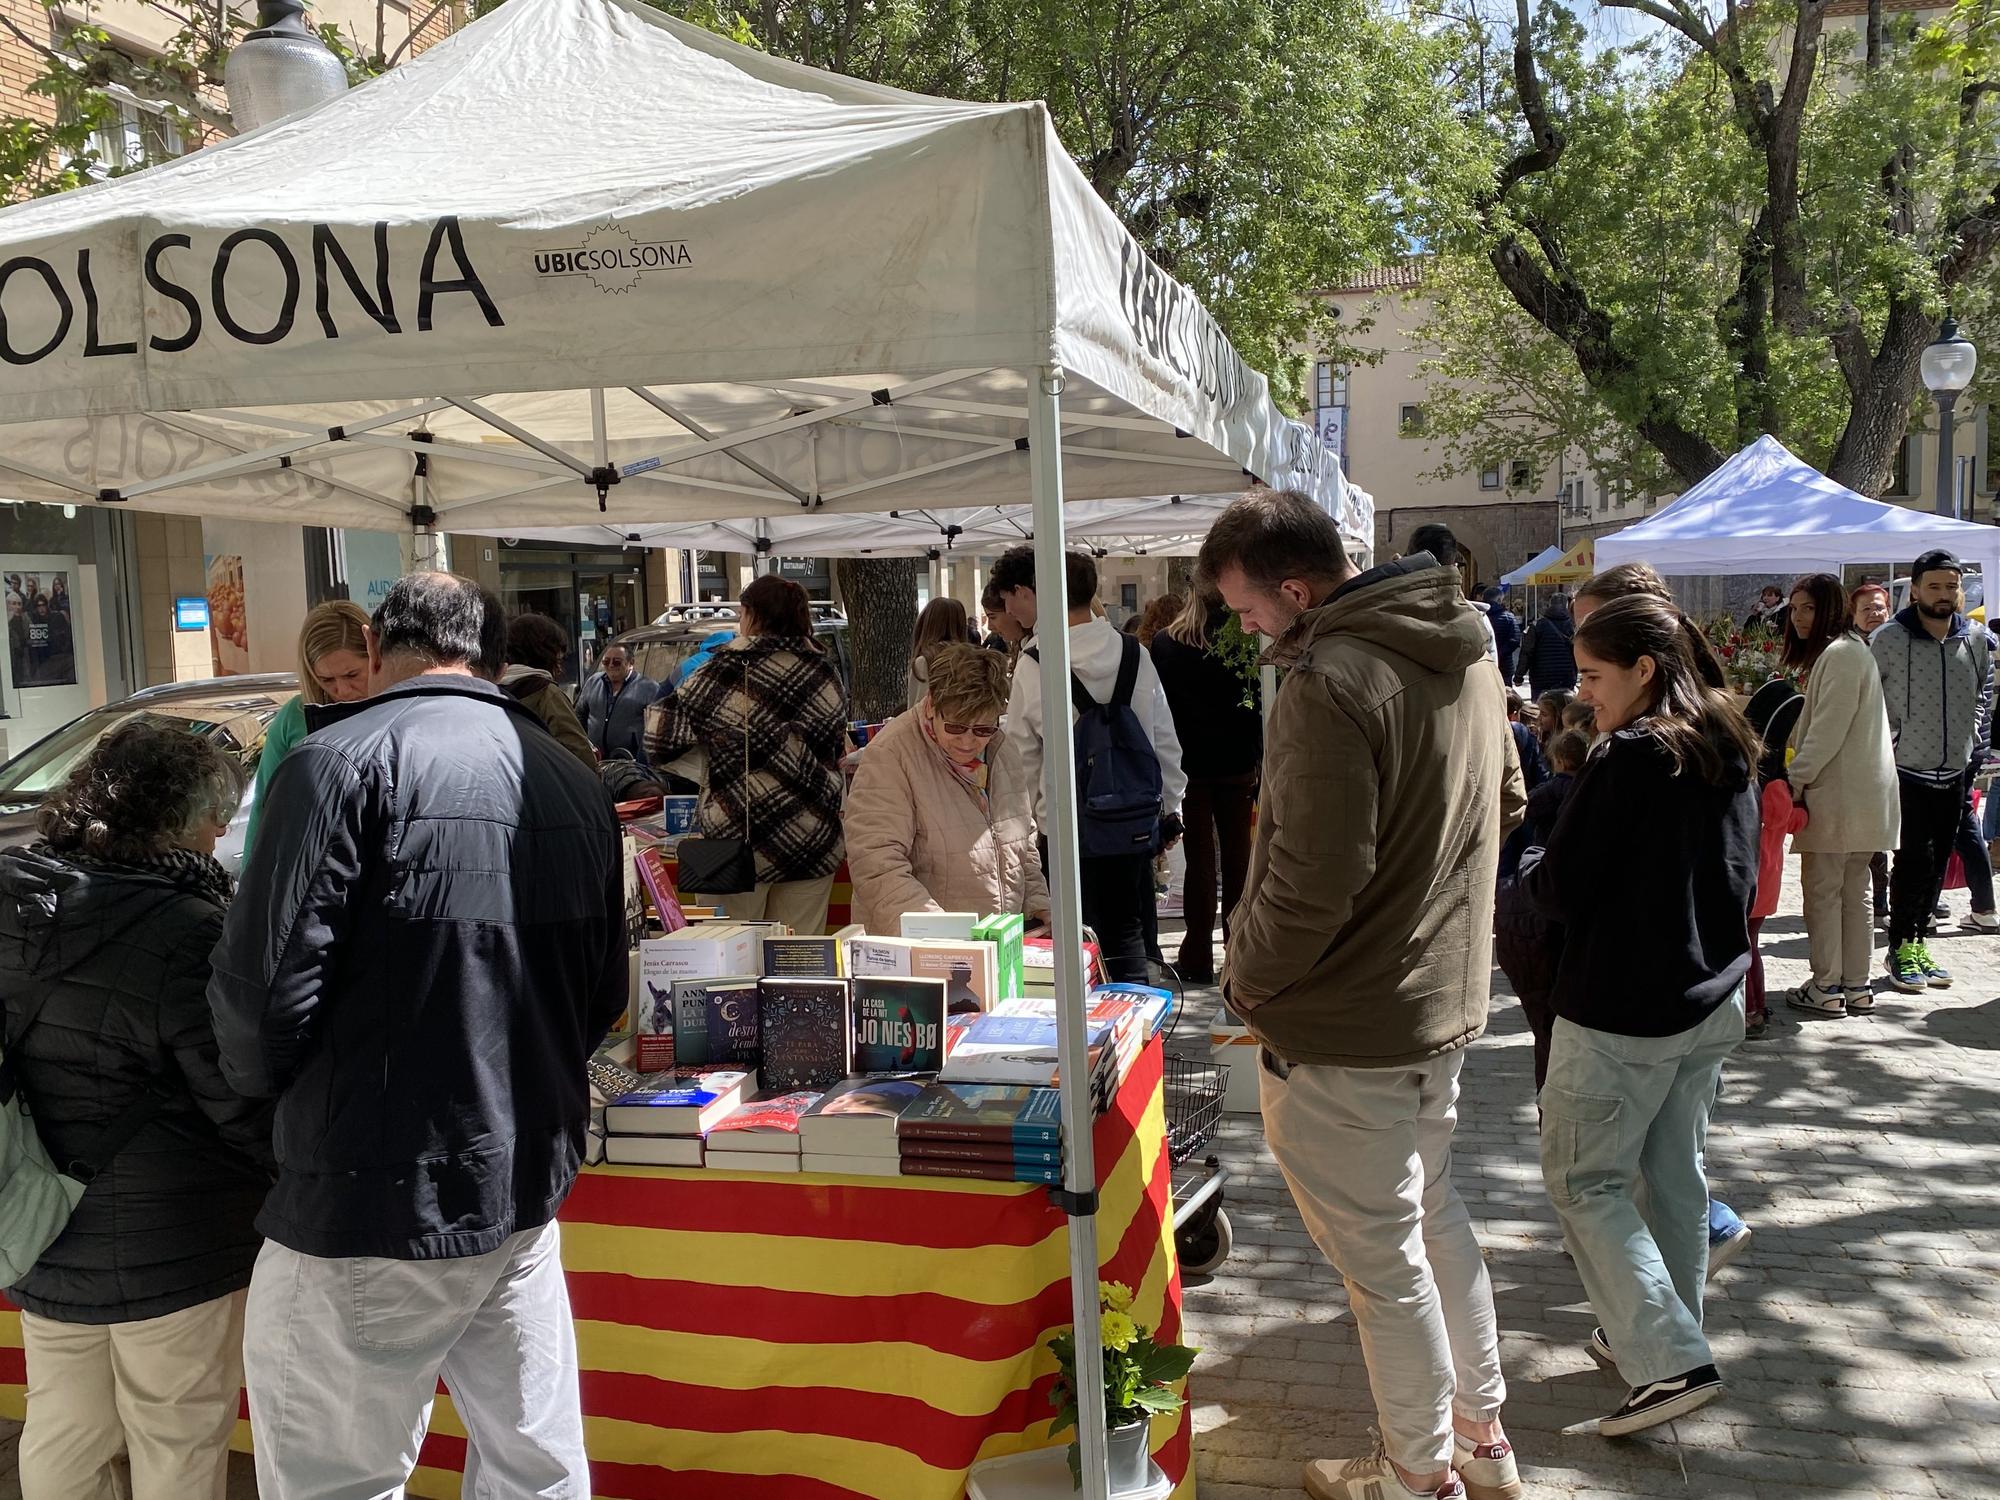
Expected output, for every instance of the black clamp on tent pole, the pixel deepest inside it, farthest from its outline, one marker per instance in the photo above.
(951, 536)
(763, 544)
(423, 515)
(1076, 1205)
(603, 477)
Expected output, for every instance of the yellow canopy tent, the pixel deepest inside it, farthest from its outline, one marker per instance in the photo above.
(1575, 565)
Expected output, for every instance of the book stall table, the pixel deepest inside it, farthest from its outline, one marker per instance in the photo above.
(748, 1336)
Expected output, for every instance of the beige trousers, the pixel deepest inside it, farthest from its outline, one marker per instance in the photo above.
(162, 1391)
(799, 904)
(1839, 934)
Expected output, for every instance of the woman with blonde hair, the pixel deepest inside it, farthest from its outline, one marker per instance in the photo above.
(938, 819)
(333, 668)
(944, 622)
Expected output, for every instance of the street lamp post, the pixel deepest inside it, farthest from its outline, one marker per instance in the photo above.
(280, 68)
(1947, 365)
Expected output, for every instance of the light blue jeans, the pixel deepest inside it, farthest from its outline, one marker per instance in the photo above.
(1624, 1125)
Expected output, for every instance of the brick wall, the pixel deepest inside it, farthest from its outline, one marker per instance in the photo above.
(21, 64)
(1495, 538)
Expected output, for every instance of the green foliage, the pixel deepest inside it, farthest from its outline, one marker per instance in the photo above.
(1243, 654)
(1139, 1372)
(1664, 213)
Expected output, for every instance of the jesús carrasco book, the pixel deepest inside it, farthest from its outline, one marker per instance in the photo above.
(691, 1109)
(768, 1123)
(734, 1014)
(898, 1024)
(982, 1112)
(858, 1117)
(808, 1033)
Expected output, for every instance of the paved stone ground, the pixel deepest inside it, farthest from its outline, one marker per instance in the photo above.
(1858, 1333)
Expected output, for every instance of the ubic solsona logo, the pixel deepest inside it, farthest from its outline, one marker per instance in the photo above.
(613, 259)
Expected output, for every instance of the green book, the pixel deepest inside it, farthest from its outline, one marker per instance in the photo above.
(1005, 932)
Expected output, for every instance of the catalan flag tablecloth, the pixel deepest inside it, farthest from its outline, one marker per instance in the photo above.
(745, 1336)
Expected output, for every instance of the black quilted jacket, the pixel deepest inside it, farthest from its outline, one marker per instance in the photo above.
(167, 1225)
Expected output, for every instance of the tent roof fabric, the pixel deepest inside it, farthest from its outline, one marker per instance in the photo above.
(1768, 511)
(1533, 565)
(583, 254)
(1574, 566)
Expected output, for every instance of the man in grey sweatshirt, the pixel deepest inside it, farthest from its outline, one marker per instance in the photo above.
(1935, 674)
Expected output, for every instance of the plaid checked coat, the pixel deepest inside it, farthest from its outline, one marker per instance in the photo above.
(784, 697)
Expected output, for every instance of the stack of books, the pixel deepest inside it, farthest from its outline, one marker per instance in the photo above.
(1021, 1050)
(663, 1127)
(852, 1130)
(1000, 1133)
(761, 1135)
(1038, 966)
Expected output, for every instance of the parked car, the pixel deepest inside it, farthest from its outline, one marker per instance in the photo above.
(686, 635)
(230, 712)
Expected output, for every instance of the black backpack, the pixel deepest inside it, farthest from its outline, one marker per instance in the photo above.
(1119, 789)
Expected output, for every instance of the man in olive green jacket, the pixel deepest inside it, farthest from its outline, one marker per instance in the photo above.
(1361, 954)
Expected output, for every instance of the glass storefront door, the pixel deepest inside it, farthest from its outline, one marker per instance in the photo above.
(594, 597)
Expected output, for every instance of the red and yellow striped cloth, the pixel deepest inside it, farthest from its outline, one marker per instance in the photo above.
(753, 1337)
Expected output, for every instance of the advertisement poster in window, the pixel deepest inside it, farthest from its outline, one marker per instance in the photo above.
(228, 621)
(41, 634)
(374, 563)
(1333, 430)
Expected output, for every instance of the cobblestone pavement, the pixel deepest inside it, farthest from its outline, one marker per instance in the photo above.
(1858, 1332)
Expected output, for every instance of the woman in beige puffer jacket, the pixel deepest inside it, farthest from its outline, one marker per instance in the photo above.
(938, 819)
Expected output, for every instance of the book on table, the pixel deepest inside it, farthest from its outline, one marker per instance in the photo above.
(857, 1117)
(752, 1161)
(712, 1024)
(898, 1024)
(982, 1171)
(808, 1033)
(802, 957)
(1006, 932)
(935, 1149)
(950, 926)
(653, 1150)
(1022, 1050)
(969, 968)
(768, 1123)
(689, 1108)
(982, 1112)
(850, 1166)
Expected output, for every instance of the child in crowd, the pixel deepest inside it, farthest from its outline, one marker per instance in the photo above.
(1549, 709)
(1582, 719)
(1525, 744)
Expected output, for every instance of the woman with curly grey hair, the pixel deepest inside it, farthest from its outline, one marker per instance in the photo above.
(132, 1320)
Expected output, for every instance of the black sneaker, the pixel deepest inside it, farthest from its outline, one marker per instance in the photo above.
(1662, 1400)
(1600, 1346)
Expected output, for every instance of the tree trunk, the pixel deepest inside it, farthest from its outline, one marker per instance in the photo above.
(880, 595)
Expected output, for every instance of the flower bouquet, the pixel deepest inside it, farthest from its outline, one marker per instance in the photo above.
(1750, 658)
(1139, 1373)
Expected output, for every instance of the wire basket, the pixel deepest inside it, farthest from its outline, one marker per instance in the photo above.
(1194, 1091)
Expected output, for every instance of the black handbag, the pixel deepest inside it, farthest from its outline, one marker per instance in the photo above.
(722, 867)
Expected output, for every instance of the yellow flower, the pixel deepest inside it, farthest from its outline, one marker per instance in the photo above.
(1118, 1331)
(1115, 1295)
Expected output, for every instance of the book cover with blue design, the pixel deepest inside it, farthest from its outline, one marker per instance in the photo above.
(898, 1024)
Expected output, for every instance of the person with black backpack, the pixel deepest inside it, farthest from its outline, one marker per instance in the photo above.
(1129, 782)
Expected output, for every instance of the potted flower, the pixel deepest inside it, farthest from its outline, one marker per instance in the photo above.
(1139, 1373)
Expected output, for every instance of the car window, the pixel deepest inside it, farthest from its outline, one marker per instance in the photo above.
(236, 725)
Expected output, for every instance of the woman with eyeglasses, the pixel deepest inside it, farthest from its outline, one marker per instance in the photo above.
(939, 819)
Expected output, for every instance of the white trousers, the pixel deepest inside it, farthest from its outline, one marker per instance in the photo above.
(1367, 1154)
(343, 1359)
(164, 1392)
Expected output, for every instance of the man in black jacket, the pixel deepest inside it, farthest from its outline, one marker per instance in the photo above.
(428, 944)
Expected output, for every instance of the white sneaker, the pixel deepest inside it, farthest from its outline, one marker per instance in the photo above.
(1371, 1478)
(1487, 1469)
(1985, 921)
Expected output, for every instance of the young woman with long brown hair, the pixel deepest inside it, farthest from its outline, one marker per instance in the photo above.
(1650, 870)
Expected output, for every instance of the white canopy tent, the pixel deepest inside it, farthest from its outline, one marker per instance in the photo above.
(1768, 511)
(1532, 566)
(1160, 525)
(585, 264)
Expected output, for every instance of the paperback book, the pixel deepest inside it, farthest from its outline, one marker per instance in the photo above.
(982, 1112)
(691, 1108)
(654, 1150)
(802, 957)
(988, 1171)
(898, 1024)
(857, 1117)
(714, 1023)
(769, 1122)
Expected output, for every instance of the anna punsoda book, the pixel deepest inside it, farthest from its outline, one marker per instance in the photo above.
(898, 1024)
(808, 1033)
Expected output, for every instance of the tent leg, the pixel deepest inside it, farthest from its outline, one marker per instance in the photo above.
(1066, 913)
(937, 576)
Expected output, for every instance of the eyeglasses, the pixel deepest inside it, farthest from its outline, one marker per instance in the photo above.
(977, 731)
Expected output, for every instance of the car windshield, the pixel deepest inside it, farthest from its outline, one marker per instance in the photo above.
(234, 724)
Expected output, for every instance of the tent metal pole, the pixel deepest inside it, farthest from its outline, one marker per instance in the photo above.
(937, 574)
(1066, 914)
